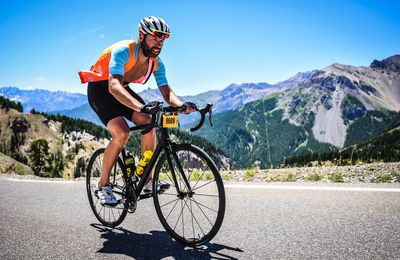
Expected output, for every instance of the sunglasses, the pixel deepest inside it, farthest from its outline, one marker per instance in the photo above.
(160, 34)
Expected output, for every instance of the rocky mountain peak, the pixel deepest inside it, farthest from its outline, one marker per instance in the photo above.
(391, 63)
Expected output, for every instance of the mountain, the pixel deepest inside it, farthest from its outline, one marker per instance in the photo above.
(335, 107)
(232, 97)
(236, 96)
(83, 112)
(75, 105)
(384, 147)
(314, 111)
(44, 100)
(339, 95)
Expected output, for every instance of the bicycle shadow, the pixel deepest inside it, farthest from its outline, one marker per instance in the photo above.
(156, 245)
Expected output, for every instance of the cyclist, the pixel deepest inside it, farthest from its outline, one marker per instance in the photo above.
(128, 61)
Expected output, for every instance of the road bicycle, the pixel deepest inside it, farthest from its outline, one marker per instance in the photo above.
(192, 209)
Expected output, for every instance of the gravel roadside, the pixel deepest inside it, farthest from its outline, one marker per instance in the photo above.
(365, 173)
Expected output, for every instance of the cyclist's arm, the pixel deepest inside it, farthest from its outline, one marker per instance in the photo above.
(119, 56)
(170, 97)
(116, 88)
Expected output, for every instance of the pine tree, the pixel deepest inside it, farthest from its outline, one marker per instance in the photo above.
(38, 154)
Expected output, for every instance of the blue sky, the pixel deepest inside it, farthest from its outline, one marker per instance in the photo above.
(213, 43)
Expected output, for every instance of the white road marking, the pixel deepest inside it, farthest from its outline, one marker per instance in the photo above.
(41, 181)
(321, 188)
(252, 186)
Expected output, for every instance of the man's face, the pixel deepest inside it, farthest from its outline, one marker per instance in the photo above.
(154, 43)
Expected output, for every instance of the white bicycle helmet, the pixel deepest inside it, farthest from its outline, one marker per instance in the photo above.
(155, 26)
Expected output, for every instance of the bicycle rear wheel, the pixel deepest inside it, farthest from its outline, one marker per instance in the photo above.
(192, 216)
(107, 215)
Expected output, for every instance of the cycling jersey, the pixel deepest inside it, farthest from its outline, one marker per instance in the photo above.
(120, 58)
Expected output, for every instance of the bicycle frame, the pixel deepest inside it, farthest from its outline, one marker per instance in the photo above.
(165, 155)
(168, 147)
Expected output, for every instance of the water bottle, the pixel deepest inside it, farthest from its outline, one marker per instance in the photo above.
(143, 163)
(130, 164)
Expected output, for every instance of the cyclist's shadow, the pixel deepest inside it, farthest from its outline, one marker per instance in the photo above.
(156, 245)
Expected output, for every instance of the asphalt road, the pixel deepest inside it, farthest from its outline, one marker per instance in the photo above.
(275, 221)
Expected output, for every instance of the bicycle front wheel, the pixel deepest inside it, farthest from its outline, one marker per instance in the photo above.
(107, 215)
(192, 214)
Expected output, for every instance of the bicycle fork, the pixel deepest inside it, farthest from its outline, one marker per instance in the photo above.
(168, 153)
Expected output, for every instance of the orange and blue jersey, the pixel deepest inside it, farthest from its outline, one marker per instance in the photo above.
(120, 58)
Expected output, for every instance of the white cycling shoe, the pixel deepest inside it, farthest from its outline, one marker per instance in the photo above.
(106, 196)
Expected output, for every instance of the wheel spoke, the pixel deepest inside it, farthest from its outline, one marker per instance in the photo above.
(203, 185)
(169, 202)
(195, 219)
(93, 188)
(197, 168)
(108, 215)
(171, 210)
(101, 210)
(205, 215)
(99, 167)
(172, 182)
(173, 194)
(198, 203)
(208, 195)
(191, 210)
(178, 217)
(183, 222)
(201, 176)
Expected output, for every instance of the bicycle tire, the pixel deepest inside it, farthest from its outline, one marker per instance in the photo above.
(116, 178)
(194, 153)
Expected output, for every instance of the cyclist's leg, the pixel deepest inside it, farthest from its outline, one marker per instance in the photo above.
(120, 133)
(110, 112)
(148, 141)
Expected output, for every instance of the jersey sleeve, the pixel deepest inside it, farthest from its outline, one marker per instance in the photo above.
(159, 74)
(119, 56)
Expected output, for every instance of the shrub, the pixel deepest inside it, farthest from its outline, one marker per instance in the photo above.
(227, 176)
(291, 177)
(195, 175)
(383, 178)
(314, 177)
(392, 176)
(209, 176)
(336, 177)
(19, 169)
(249, 174)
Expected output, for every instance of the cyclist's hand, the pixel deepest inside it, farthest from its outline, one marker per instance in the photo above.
(190, 107)
(150, 108)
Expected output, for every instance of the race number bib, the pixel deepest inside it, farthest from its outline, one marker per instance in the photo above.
(170, 121)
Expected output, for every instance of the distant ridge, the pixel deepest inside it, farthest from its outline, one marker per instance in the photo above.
(338, 106)
(44, 100)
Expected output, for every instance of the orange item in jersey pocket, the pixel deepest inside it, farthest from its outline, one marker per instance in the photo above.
(89, 76)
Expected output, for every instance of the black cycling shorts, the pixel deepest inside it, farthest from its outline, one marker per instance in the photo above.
(105, 105)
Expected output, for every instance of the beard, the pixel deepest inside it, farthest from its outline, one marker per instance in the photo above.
(148, 52)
